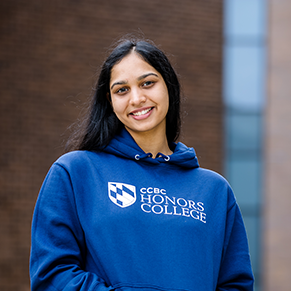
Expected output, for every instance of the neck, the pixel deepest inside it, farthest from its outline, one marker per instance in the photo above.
(151, 143)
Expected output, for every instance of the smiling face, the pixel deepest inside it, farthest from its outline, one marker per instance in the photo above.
(139, 96)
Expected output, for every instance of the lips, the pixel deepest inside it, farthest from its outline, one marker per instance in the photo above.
(141, 113)
(145, 111)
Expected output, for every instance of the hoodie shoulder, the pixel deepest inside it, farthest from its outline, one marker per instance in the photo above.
(74, 159)
(215, 180)
(214, 176)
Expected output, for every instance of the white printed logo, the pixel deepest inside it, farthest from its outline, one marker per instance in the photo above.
(123, 195)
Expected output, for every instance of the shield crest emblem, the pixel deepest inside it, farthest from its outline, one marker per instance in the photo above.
(123, 195)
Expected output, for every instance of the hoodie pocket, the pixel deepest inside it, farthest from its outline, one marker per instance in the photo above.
(143, 287)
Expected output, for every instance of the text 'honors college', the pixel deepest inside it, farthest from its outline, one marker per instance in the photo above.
(156, 201)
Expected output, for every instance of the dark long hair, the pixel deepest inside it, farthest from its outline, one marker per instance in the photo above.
(100, 124)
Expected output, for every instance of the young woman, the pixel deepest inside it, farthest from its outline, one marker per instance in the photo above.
(130, 209)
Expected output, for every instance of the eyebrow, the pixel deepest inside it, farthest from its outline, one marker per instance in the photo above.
(139, 78)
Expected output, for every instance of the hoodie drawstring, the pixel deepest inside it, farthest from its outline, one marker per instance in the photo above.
(165, 157)
(149, 155)
(138, 157)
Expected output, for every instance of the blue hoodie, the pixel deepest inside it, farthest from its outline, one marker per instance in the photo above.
(120, 220)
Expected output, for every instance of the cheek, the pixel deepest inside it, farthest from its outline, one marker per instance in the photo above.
(113, 103)
(117, 106)
(166, 101)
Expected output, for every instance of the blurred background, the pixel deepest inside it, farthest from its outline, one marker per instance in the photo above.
(233, 59)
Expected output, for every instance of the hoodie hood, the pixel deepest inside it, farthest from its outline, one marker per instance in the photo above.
(123, 145)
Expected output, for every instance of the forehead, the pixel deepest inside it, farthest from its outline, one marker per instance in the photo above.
(131, 65)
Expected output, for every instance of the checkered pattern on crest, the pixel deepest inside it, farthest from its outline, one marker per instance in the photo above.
(121, 194)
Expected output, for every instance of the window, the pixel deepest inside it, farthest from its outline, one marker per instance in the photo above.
(244, 98)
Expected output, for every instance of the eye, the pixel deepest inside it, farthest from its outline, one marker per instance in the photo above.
(121, 90)
(148, 84)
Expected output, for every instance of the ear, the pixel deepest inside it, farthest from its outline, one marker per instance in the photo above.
(108, 98)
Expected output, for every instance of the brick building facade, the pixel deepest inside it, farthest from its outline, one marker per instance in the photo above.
(277, 200)
(50, 52)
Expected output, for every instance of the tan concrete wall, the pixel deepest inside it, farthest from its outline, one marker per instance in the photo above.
(277, 216)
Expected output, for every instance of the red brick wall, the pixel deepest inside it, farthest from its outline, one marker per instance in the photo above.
(49, 53)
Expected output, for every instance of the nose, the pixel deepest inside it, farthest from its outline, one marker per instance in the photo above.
(137, 97)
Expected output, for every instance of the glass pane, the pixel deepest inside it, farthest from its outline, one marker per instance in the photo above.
(243, 131)
(253, 232)
(245, 18)
(245, 178)
(244, 77)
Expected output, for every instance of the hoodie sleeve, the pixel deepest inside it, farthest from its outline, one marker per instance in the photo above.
(58, 243)
(235, 270)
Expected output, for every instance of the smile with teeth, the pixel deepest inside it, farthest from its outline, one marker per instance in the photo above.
(145, 111)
